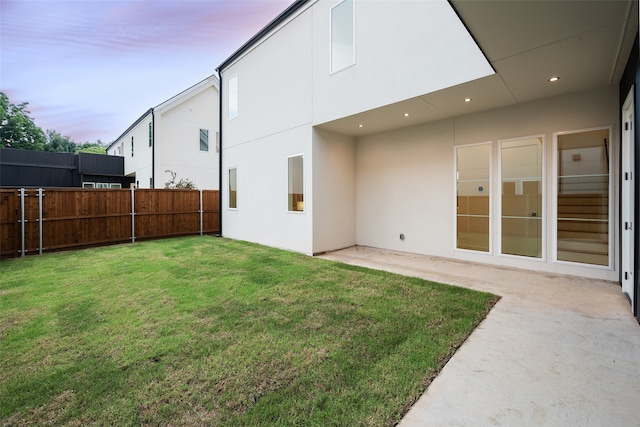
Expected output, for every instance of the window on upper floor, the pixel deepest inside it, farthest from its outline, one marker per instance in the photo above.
(342, 35)
(296, 184)
(131, 146)
(204, 140)
(150, 134)
(233, 97)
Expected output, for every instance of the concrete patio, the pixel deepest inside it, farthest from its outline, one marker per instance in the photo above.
(554, 351)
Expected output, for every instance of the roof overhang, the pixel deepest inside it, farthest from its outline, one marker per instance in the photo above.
(585, 42)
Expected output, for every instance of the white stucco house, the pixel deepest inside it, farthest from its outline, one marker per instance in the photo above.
(179, 135)
(487, 131)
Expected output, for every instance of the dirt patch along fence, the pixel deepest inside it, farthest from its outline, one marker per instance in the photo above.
(39, 220)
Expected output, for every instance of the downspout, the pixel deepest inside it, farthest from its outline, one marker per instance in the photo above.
(153, 148)
(220, 151)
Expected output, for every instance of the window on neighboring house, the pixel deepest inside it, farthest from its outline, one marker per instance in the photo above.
(150, 182)
(233, 97)
(473, 189)
(131, 146)
(296, 184)
(342, 35)
(118, 151)
(88, 185)
(217, 142)
(115, 185)
(102, 185)
(233, 188)
(150, 134)
(204, 140)
(583, 197)
(521, 179)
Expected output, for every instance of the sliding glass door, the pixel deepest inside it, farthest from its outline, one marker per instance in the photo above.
(521, 179)
(583, 197)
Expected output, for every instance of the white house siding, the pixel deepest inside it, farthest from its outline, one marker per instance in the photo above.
(334, 191)
(429, 51)
(178, 140)
(405, 179)
(140, 163)
(273, 123)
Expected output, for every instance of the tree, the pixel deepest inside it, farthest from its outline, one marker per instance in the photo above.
(182, 184)
(17, 129)
(59, 143)
(92, 147)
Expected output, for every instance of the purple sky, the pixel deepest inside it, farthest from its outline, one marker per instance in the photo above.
(90, 68)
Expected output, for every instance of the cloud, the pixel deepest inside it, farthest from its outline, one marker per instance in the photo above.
(89, 68)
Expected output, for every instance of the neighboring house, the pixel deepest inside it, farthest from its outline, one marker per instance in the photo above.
(179, 135)
(440, 128)
(28, 168)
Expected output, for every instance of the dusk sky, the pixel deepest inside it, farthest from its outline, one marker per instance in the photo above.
(90, 68)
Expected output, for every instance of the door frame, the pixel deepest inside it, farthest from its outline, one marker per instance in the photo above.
(628, 173)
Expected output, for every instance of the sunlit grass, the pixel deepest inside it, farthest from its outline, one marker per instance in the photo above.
(209, 331)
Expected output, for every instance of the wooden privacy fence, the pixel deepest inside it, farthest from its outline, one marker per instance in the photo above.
(38, 220)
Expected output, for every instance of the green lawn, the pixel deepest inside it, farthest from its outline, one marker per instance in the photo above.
(210, 331)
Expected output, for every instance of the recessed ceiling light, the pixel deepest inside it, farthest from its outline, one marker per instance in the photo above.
(406, 114)
(467, 100)
(360, 125)
(554, 79)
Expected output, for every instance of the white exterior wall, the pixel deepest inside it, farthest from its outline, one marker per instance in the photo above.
(140, 163)
(285, 83)
(177, 136)
(392, 62)
(405, 179)
(334, 191)
(273, 123)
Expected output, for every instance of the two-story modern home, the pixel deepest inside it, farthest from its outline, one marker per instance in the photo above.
(499, 132)
(180, 135)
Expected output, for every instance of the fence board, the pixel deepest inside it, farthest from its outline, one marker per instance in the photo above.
(9, 225)
(74, 218)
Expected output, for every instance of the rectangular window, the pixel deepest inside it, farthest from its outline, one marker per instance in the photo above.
(131, 146)
(342, 35)
(150, 182)
(204, 140)
(233, 188)
(521, 178)
(583, 197)
(233, 97)
(150, 134)
(88, 185)
(473, 164)
(115, 185)
(102, 185)
(296, 184)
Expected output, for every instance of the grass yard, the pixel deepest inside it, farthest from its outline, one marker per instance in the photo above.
(210, 331)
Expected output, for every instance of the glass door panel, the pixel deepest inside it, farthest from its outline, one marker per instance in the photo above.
(583, 197)
(521, 169)
(472, 198)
